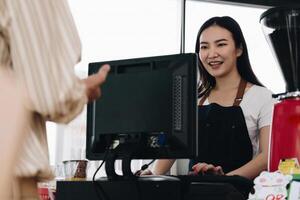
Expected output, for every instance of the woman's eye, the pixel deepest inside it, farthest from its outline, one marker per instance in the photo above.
(203, 47)
(222, 44)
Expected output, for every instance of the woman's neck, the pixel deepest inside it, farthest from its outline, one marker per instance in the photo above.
(225, 91)
(227, 83)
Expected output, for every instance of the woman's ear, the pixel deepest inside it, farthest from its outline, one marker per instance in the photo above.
(239, 51)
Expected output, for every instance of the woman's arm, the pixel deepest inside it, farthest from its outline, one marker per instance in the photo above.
(161, 167)
(258, 164)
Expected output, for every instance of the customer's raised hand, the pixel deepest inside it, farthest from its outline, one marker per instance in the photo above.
(93, 83)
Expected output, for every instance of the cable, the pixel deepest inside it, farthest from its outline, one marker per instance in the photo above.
(144, 167)
(103, 161)
(98, 188)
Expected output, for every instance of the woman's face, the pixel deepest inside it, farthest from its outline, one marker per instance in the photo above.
(218, 53)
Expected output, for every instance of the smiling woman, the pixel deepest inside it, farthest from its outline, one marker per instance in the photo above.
(233, 132)
(221, 39)
(227, 79)
(219, 52)
(262, 60)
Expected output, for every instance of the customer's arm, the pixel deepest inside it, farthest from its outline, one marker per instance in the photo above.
(13, 121)
(45, 47)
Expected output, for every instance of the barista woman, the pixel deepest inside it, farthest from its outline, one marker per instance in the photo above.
(235, 110)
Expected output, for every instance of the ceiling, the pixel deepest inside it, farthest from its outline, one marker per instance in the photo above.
(257, 3)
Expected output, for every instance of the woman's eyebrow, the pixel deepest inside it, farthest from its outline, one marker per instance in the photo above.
(216, 41)
(221, 40)
(203, 42)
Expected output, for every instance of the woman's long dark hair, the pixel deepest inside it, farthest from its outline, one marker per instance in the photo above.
(244, 68)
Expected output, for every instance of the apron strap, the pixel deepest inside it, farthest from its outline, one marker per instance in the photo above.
(238, 98)
(240, 93)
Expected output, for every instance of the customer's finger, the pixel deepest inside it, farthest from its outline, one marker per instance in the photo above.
(102, 74)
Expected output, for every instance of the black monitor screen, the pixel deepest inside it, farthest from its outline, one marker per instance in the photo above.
(151, 102)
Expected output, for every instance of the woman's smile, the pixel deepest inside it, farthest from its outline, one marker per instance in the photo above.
(215, 64)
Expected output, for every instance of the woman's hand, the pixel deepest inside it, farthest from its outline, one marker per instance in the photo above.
(204, 168)
(143, 172)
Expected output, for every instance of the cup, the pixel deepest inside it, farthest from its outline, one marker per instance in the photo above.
(75, 169)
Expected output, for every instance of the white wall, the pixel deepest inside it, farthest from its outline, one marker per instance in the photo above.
(118, 29)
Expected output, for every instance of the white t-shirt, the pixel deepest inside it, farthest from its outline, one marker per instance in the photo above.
(257, 106)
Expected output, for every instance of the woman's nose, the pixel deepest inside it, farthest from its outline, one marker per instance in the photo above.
(212, 53)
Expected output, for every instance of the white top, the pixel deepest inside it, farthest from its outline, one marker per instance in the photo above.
(257, 106)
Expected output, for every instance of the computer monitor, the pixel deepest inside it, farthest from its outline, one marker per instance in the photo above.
(148, 109)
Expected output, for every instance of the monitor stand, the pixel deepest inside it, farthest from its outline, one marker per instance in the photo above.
(129, 186)
(125, 152)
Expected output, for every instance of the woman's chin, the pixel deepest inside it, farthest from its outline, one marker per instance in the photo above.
(217, 73)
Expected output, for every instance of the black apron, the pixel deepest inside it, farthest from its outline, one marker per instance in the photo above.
(223, 136)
